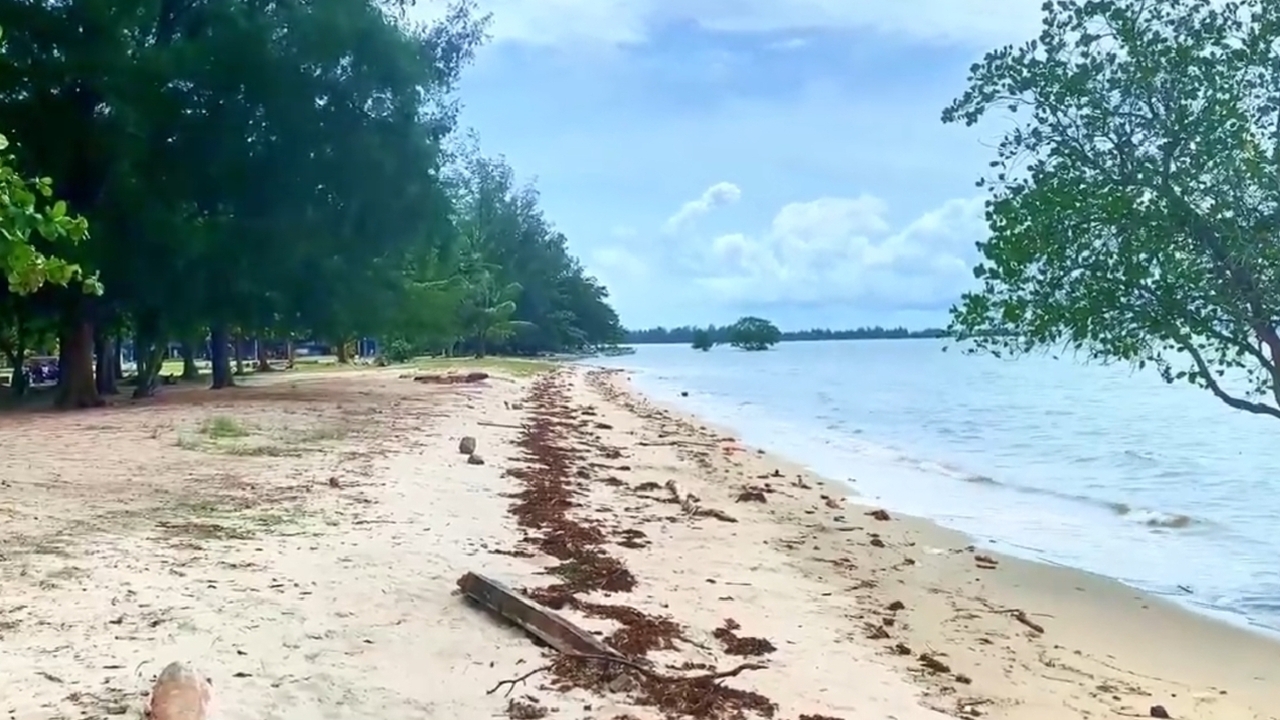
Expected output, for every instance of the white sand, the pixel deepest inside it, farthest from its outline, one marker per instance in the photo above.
(133, 539)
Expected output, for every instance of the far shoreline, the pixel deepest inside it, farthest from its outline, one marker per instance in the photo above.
(1176, 605)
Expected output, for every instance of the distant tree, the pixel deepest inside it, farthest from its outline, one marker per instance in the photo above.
(753, 333)
(1134, 207)
(702, 340)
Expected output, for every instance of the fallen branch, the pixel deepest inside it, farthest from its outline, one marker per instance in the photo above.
(631, 664)
(508, 426)
(676, 443)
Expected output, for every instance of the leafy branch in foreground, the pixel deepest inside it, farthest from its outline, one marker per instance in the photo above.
(1135, 204)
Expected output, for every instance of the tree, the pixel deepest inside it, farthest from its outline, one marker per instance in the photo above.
(753, 333)
(1135, 207)
(702, 340)
(258, 171)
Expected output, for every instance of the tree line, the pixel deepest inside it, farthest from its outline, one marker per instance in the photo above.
(202, 172)
(685, 334)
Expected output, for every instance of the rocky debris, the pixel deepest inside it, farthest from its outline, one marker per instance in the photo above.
(474, 459)
(467, 445)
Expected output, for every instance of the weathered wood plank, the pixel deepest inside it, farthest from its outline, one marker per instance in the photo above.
(536, 619)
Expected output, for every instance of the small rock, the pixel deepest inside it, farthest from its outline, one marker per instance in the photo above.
(467, 445)
(474, 459)
(1158, 711)
(880, 515)
(517, 406)
(684, 393)
(334, 482)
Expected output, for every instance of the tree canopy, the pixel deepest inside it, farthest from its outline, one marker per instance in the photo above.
(1135, 202)
(754, 334)
(196, 172)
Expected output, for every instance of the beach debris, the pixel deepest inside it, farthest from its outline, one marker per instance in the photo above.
(895, 606)
(526, 708)
(467, 445)
(1158, 711)
(180, 694)
(475, 459)
(451, 378)
(985, 562)
(876, 631)
(508, 426)
(741, 646)
(530, 616)
(833, 503)
(334, 482)
(878, 515)
(933, 664)
(752, 493)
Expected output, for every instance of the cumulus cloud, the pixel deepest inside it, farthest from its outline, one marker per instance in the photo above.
(844, 250)
(716, 196)
(616, 22)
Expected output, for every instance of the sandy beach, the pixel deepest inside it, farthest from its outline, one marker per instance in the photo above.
(300, 540)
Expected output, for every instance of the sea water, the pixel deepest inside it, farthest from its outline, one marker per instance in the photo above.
(1098, 467)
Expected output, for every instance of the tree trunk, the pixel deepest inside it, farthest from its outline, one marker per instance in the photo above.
(219, 342)
(344, 352)
(239, 353)
(148, 355)
(189, 369)
(264, 363)
(288, 353)
(104, 372)
(76, 386)
(19, 382)
(117, 357)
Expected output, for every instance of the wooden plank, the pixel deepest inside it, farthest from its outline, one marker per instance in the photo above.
(536, 619)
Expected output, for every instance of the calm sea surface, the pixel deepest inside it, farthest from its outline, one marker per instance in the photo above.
(1095, 467)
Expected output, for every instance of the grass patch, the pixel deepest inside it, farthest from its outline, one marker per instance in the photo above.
(510, 366)
(226, 519)
(228, 436)
(220, 427)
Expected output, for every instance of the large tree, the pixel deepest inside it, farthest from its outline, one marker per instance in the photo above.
(260, 170)
(1135, 200)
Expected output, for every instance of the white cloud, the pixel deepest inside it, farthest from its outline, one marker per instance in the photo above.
(615, 22)
(843, 250)
(716, 196)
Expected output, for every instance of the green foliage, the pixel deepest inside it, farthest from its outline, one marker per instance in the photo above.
(702, 340)
(753, 333)
(279, 170)
(1135, 204)
(399, 351)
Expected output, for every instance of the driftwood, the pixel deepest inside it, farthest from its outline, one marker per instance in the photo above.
(451, 378)
(535, 619)
(489, 423)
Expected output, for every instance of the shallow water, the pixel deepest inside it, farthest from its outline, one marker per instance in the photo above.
(1096, 467)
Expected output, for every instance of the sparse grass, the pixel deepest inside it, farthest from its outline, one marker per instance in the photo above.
(228, 436)
(225, 518)
(220, 427)
(511, 366)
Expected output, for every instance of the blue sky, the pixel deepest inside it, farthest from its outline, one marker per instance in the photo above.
(713, 158)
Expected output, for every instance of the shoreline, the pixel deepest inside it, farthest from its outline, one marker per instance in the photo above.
(1007, 544)
(309, 565)
(1152, 647)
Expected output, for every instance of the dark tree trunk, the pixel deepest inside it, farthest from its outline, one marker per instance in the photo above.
(288, 353)
(104, 372)
(189, 369)
(76, 386)
(264, 362)
(19, 382)
(239, 348)
(344, 352)
(148, 351)
(117, 357)
(220, 357)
